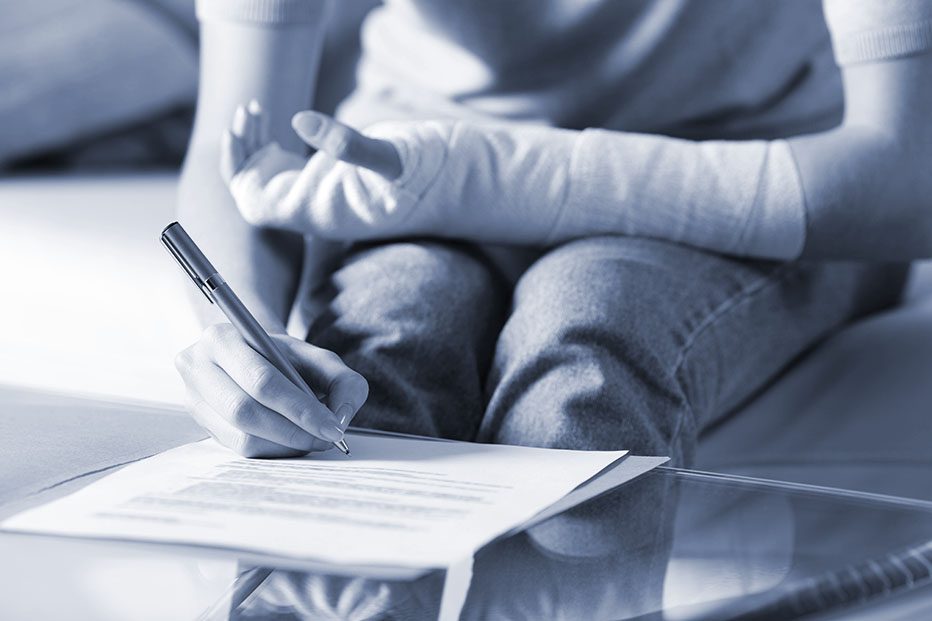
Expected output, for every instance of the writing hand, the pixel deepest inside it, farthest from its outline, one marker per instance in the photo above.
(249, 406)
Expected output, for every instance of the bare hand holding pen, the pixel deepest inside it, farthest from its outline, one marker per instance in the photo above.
(249, 406)
(258, 394)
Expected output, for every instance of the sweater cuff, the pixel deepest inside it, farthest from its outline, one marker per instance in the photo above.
(884, 44)
(264, 12)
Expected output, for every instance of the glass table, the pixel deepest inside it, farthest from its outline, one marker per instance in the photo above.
(675, 544)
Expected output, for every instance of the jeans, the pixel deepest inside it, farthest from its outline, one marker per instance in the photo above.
(602, 343)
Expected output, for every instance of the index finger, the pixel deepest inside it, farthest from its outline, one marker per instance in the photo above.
(343, 389)
(267, 385)
(348, 145)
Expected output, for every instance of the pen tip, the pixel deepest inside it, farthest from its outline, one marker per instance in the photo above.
(342, 446)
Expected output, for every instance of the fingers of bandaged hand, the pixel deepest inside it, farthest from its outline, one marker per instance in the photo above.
(344, 143)
(357, 186)
(368, 186)
(248, 133)
(250, 407)
(263, 188)
(258, 127)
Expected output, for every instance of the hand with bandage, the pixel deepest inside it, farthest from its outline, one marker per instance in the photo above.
(517, 184)
(436, 178)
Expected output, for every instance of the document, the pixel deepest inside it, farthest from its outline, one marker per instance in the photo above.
(396, 502)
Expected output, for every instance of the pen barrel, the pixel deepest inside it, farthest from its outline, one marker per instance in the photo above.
(256, 336)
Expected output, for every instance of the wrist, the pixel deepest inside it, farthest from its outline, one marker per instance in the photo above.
(267, 50)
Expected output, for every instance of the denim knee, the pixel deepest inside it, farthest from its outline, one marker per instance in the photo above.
(583, 361)
(418, 319)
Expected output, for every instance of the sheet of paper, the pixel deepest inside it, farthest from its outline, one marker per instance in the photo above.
(396, 502)
(629, 469)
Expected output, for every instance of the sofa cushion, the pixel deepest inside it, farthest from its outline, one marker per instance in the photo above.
(854, 413)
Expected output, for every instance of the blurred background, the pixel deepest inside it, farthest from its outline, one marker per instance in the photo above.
(96, 105)
(111, 84)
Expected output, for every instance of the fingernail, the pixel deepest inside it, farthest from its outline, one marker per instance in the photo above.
(331, 434)
(306, 123)
(254, 107)
(343, 413)
(239, 118)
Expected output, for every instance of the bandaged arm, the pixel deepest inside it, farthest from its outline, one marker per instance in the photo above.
(537, 185)
(545, 186)
(521, 184)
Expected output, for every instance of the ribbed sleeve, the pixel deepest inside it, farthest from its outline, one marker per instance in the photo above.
(876, 30)
(268, 12)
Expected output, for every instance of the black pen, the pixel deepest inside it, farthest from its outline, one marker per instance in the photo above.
(217, 291)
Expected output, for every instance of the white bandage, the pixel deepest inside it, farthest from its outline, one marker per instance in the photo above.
(527, 184)
(523, 184)
(742, 198)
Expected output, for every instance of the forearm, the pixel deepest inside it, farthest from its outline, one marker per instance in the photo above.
(733, 197)
(859, 191)
(537, 185)
(531, 185)
(244, 254)
(275, 63)
(868, 182)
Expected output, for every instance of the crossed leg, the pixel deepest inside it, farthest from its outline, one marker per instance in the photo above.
(611, 342)
(418, 320)
(618, 342)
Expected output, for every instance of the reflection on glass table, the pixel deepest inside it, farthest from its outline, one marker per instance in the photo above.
(674, 545)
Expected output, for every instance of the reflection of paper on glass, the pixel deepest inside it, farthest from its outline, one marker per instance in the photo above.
(397, 502)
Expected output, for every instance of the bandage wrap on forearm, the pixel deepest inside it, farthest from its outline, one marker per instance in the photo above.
(527, 184)
(742, 198)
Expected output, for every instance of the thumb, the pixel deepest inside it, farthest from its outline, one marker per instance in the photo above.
(346, 144)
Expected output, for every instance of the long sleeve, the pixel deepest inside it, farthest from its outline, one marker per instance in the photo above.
(877, 30)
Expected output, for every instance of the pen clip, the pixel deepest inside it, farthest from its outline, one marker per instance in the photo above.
(184, 265)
